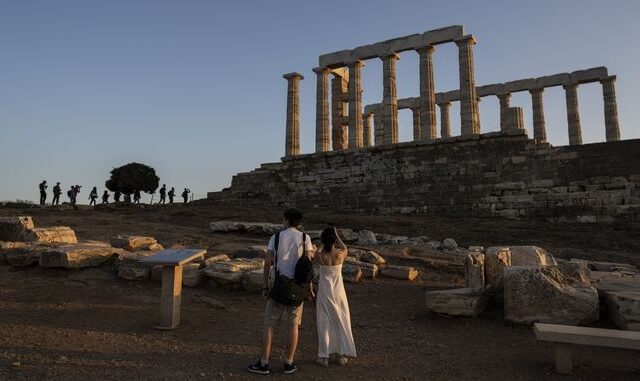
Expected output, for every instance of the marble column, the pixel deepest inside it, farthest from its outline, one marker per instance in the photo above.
(366, 129)
(292, 135)
(445, 121)
(390, 98)
(355, 104)
(322, 109)
(378, 127)
(573, 114)
(469, 116)
(504, 109)
(515, 119)
(339, 88)
(537, 107)
(610, 108)
(427, 115)
(417, 128)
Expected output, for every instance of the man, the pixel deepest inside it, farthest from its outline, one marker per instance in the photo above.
(185, 195)
(56, 194)
(163, 194)
(43, 191)
(105, 197)
(171, 193)
(116, 196)
(290, 249)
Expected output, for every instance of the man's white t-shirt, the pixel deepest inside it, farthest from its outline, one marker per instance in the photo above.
(289, 250)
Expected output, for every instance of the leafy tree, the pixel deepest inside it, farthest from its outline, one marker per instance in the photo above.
(131, 177)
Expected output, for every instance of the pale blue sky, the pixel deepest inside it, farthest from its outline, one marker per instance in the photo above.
(195, 88)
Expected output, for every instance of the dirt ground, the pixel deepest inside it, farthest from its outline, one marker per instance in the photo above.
(90, 325)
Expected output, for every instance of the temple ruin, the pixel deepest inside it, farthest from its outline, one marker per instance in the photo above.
(358, 157)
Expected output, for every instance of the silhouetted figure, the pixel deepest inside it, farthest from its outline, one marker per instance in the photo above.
(93, 196)
(171, 193)
(105, 197)
(43, 191)
(163, 194)
(136, 197)
(185, 195)
(127, 198)
(57, 191)
(116, 196)
(73, 194)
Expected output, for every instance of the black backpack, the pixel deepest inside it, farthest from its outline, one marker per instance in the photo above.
(292, 292)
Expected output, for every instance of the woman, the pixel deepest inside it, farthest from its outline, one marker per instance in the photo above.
(332, 308)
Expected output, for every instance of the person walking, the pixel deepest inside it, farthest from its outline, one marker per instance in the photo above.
(136, 196)
(105, 197)
(43, 191)
(172, 192)
(284, 251)
(332, 308)
(116, 196)
(57, 191)
(185, 195)
(93, 196)
(163, 194)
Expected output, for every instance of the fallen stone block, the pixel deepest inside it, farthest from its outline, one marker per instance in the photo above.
(351, 273)
(53, 234)
(606, 266)
(155, 247)
(544, 294)
(459, 302)
(12, 229)
(474, 270)
(400, 272)
(25, 255)
(449, 244)
(130, 268)
(578, 271)
(192, 275)
(530, 256)
(624, 309)
(496, 259)
(373, 258)
(478, 249)
(216, 258)
(367, 238)
(76, 256)
(221, 278)
(134, 242)
(4, 246)
(253, 280)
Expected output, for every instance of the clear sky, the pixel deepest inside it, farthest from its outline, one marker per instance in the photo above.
(194, 88)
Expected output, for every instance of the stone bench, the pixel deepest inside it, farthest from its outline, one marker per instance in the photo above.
(565, 337)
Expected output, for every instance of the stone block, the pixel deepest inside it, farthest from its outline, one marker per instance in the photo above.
(373, 258)
(578, 271)
(222, 278)
(253, 280)
(367, 238)
(53, 234)
(351, 273)
(192, 275)
(77, 256)
(24, 255)
(129, 266)
(449, 244)
(134, 242)
(459, 302)
(543, 294)
(400, 272)
(474, 270)
(624, 309)
(496, 259)
(530, 256)
(13, 228)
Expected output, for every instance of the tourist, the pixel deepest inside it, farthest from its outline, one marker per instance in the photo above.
(73, 194)
(285, 251)
(136, 196)
(332, 308)
(163, 194)
(57, 191)
(93, 196)
(43, 191)
(172, 192)
(105, 197)
(116, 196)
(185, 195)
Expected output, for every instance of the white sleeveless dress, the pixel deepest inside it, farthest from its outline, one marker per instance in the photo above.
(332, 314)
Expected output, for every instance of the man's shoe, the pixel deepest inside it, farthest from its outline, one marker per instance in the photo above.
(290, 368)
(258, 368)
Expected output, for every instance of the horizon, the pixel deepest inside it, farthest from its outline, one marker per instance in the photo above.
(196, 91)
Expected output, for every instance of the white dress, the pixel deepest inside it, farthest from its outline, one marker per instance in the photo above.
(332, 314)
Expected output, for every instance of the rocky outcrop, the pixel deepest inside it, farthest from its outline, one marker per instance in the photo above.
(459, 302)
(544, 294)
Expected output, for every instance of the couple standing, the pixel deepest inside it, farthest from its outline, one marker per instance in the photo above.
(332, 308)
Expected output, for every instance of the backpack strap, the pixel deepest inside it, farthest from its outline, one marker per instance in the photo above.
(276, 241)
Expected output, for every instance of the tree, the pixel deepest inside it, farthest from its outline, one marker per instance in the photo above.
(131, 177)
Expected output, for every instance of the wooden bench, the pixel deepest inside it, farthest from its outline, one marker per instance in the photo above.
(565, 337)
(171, 261)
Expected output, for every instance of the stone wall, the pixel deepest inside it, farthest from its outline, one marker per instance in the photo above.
(492, 174)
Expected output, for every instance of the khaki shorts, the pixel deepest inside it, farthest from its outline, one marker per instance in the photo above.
(276, 312)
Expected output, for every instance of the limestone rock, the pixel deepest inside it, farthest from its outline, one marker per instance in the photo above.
(496, 259)
(530, 256)
(351, 273)
(400, 272)
(253, 280)
(458, 302)
(76, 256)
(543, 294)
(367, 238)
(449, 244)
(624, 309)
(222, 278)
(24, 256)
(155, 247)
(474, 270)
(130, 268)
(373, 258)
(134, 242)
(192, 275)
(13, 228)
(578, 271)
(216, 258)
(53, 234)
(5, 246)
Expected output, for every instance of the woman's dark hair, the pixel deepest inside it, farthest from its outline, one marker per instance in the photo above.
(328, 238)
(293, 216)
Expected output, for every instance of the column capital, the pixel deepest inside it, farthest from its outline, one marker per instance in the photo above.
(469, 39)
(356, 63)
(391, 55)
(536, 90)
(504, 95)
(321, 70)
(293, 75)
(444, 104)
(425, 49)
(568, 86)
(609, 79)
